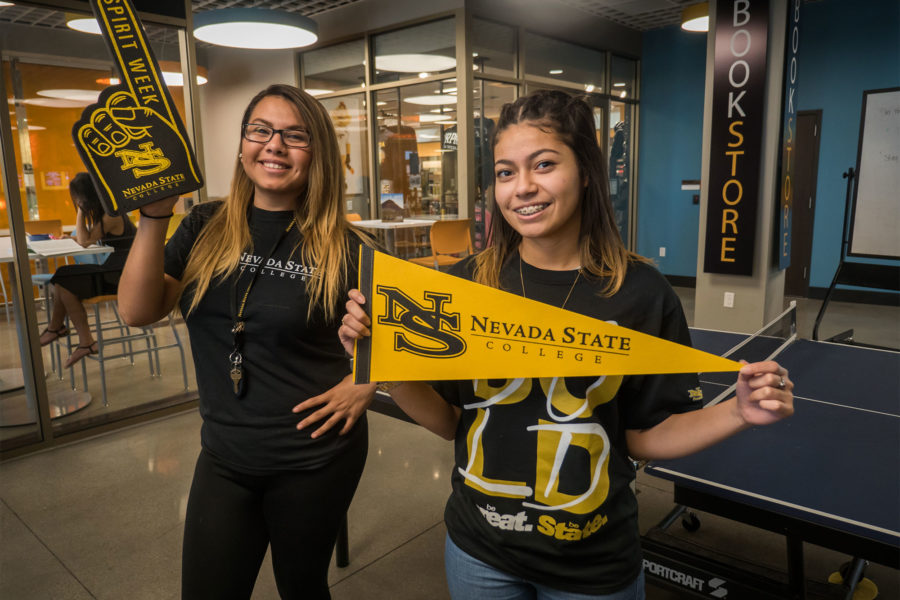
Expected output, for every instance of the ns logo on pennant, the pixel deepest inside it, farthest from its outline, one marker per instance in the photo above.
(426, 330)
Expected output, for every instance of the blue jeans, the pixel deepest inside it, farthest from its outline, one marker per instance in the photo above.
(471, 579)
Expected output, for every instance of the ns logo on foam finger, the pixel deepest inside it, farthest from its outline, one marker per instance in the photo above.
(425, 330)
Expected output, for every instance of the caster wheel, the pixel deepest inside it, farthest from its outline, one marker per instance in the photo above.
(690, 522)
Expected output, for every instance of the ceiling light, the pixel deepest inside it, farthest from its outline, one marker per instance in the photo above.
(83, 24)
(381, 103)
(623, 94)
(255, 28)
(556, 71)
(414, 63)
(620, 84)
(171, 72)
(86, 96)
(435, 100)
(695, 17)
(316, 91)
(589, 87)
(6, 4)
(56, 102)
(172, 75)
(423, 75)
(434, 118)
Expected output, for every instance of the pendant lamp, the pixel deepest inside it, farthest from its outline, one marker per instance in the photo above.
(255, 28)
(695, 17)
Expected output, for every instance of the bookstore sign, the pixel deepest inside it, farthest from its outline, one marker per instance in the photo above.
(739, 81)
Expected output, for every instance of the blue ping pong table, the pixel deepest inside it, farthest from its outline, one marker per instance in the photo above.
(829, 475)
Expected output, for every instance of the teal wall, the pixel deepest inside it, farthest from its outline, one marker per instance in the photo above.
(846, 47)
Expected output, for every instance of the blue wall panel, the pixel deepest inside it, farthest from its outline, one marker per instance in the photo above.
(846, 47)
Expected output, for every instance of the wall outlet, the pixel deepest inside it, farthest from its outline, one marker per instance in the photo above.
(729, 300)
(662, 250)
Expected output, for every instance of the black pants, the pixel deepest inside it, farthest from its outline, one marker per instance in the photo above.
(232, 517)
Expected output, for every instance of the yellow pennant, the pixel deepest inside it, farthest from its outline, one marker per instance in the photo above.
(427, 325)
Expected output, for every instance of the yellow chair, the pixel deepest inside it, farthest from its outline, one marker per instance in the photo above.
(353, 217)
(450, 243)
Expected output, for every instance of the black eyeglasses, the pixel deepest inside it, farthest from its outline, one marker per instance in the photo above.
(261, 134)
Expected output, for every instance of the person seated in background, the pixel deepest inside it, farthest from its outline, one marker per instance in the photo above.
(73, 283)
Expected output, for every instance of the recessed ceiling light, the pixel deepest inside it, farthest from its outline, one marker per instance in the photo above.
(316, 91)
(619, 84)
(435, 100)
(6, 4)
(255, 28)
(414, 63)
(556, 71)
(381, 103)
(589, 87)
(623, 94)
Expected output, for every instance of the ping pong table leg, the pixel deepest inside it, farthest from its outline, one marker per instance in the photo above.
(854, 575)
(796, 568)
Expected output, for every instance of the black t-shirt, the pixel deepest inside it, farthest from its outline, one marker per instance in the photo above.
(287, 357)
(541, 487)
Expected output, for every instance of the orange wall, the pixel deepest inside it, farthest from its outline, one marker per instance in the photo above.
(53, 152)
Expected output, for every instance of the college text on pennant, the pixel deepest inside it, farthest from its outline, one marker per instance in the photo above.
(428, 325)
(132, 140)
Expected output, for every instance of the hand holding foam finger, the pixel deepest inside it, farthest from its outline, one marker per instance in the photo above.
(132, 140)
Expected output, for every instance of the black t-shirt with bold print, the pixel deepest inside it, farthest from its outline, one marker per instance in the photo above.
(287, 357)
(541, 487)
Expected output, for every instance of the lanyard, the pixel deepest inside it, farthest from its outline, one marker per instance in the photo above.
(236, 358)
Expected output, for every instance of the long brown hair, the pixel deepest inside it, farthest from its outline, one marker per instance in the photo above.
(603, 254)
(319, 213)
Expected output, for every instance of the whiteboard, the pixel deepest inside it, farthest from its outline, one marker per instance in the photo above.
(875, 225)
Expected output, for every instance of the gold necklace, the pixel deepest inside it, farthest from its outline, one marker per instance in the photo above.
(522, 282)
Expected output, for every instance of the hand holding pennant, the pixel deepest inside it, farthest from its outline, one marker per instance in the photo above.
(132, 140)
(427, 325)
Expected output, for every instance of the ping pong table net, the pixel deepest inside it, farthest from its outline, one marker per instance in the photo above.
(765, 344)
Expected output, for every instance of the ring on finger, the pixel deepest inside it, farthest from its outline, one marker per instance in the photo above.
(782, 384)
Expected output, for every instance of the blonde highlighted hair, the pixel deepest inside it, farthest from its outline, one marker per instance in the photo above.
(603, 254)
(319, 215)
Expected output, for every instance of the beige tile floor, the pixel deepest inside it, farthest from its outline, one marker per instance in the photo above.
(102, 518)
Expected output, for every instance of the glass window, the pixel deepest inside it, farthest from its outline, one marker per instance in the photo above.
(489, 98)
(408, 53)
(493, 48)
(348, 114)
(564, 62)
(44, 100)
(623, 74)
(334, 68)
(621, 119)
(417, 150)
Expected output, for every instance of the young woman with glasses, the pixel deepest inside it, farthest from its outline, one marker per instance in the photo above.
(260, 279)
(541, 507)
